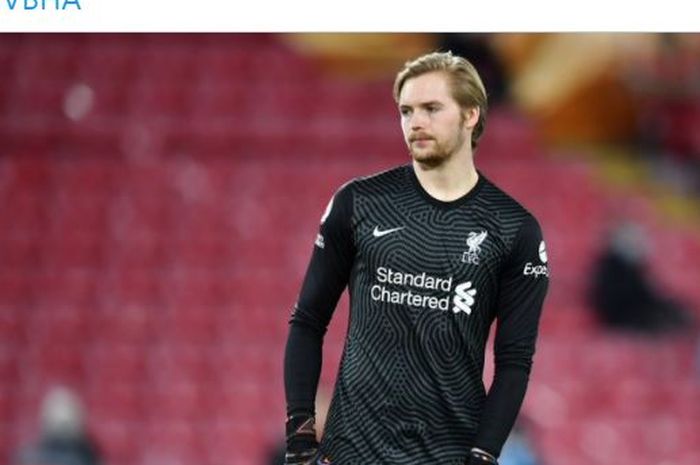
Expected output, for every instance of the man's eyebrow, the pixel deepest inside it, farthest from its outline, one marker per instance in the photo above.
(422, 104)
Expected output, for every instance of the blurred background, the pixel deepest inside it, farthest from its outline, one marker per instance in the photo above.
(160, 195)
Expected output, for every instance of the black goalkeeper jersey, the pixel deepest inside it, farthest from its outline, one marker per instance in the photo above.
(426, 280)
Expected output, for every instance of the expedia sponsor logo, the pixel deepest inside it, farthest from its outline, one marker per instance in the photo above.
(537, 270)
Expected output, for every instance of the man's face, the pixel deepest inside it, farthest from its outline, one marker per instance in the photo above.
(434, 126)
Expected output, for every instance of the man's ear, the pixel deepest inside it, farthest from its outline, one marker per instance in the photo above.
(471, 117)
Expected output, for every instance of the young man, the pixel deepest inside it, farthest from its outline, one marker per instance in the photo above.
(432, 253)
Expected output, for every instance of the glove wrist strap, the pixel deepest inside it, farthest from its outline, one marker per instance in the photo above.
(301, 439)
(481, 457)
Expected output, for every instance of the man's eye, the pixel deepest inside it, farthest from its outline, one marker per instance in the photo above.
(405, 112)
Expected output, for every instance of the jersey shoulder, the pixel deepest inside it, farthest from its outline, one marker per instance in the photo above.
(365, 187)
(503, 206)
(382, 182)
(516, 225)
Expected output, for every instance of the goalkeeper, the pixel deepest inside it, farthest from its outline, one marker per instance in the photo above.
(409, 389)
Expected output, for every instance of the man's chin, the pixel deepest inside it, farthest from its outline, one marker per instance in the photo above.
(428, 160)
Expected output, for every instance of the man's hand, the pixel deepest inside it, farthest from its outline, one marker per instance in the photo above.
(301, 440)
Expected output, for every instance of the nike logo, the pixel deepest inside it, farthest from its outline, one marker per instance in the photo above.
(378, 233)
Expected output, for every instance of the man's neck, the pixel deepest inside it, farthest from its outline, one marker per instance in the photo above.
(449, 181)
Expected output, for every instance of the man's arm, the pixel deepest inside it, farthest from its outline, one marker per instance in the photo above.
(523, 287)
(326, 277)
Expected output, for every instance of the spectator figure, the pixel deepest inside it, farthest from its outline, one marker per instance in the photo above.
(622, 293)
(63, 437)
(666, 83)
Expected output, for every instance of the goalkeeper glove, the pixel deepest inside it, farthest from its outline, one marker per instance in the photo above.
(301, 439)
(481, 457)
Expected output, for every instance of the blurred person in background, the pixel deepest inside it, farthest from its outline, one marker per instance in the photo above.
(63, 437)
(622, 293)
(666, 83)
(433, 253)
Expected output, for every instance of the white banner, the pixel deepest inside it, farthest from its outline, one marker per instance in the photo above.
(350, 16)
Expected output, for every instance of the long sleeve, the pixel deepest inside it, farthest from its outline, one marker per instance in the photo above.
(523, 287)
(326, 277)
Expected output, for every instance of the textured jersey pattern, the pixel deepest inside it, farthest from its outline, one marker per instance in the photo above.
(425, 286)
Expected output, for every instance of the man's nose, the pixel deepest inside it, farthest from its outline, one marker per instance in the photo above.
(418, 120)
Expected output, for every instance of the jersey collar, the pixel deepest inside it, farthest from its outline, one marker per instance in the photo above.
(441, 203)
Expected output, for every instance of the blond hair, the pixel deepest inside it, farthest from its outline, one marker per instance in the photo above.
(465, 84)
